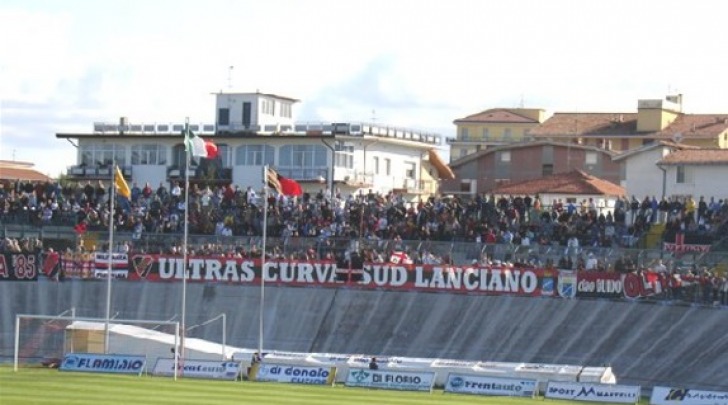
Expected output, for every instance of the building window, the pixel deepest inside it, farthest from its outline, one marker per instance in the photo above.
(486, 133)
(547, 169)
(102, 154)
(254, 155)
(387, 166)
(507, 134)
(681, 175)
(223, 116)
(267, 106)
(465, 186)
(285, 110)
(409, 171)
(464, 134)
(376, 164)
(344, 155)
(148, 154)
(303, 161)
(591, 158)
(505, 156)
(225, 154)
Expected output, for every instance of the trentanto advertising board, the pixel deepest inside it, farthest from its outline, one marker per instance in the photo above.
(687, 396)
(211, 369)
(484, 385)
(103, 363)
(286, 373)
(623, 394)
(390, 379)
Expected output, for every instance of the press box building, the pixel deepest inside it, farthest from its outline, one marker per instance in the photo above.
(257, 129)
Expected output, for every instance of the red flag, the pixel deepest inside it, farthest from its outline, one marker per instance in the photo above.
(282, 184)
(399, 257)
(289, 186)
(211, 149)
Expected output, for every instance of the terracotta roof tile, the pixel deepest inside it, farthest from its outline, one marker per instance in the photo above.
(575, 182)
(667, 144)
(690, 126)
(495, 115)
(695, 126)
(586, 124)
(696, 157)
(14, 171)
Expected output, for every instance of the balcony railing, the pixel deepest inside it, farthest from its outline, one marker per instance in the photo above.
(95, 171)
(490, 139)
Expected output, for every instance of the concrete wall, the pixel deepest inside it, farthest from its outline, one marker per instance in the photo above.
(646, 344)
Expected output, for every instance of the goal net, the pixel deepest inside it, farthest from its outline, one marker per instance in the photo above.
(45, 340)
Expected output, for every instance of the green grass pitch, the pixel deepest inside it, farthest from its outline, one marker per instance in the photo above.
(47, 386)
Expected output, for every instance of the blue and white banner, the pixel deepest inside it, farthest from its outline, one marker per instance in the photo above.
(103, 363)
(623, 394)
(484, 385)
(390, 380)
(216, 370)
(687, 396)
(293, 374)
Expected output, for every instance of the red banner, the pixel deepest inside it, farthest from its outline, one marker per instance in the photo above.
(388, 276)
(616, 285)
(478, 280)
(682, 248)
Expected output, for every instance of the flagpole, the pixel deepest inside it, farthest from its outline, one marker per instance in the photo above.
(262, 259)
(180, 352)
(111, 245)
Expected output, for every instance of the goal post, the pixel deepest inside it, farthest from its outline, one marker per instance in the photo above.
(52, 337)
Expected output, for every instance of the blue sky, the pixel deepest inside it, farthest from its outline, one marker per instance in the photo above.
(419, 64)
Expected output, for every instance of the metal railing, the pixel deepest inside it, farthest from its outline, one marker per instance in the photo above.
(452, 252)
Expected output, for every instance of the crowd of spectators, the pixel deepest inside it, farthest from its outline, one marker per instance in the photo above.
(229, 210)
(383, 224)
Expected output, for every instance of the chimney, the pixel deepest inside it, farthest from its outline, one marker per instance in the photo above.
(123, 123)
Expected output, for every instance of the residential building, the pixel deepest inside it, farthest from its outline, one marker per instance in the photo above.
(575, 186)
(257, 129)
(494, 127)
(642, 177)
(695, 172)
(12, 171)
(655, 120)
(488, 169)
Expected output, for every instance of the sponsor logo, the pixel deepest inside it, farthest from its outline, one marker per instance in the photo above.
(677, 394)
(457, 382)
(392, 380)
(593, 392)
(360, 375)
(103, 363)
(142, 265)
(567, 284)
(295, 374)
(685, 396)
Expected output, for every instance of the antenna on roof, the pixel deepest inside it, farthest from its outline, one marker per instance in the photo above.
(374, 116)
(230, 77)
(522, 102)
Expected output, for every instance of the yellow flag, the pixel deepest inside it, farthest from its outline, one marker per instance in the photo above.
(121, 187)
